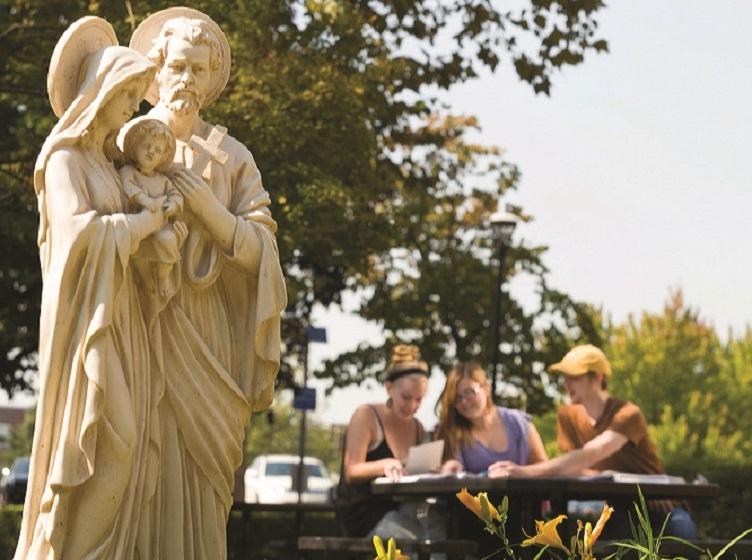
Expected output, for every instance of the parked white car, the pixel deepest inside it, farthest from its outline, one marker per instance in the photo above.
(272, 479)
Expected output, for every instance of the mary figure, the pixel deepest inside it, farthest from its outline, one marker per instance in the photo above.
(95, 440)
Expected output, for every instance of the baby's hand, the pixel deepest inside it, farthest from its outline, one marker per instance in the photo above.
(171, 209)
(153, 205)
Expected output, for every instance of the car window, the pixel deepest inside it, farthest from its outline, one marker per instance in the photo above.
(279, 469)
(21, 466)
(288, 469)
(314, 470)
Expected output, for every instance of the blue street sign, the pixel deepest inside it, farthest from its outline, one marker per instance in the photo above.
(316, 334)
(305, 398)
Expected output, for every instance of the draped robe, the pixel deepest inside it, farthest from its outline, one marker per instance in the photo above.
(94, 448)
(217, 343)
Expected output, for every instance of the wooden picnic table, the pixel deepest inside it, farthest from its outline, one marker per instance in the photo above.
(526, 495)
(551, 488)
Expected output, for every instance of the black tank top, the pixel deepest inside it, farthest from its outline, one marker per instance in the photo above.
(358, 510)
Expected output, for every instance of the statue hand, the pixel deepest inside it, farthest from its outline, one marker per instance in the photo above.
(170, 209)
(203, 204)
(181, 231)
(198, 196)
(150, 221)
(153, 205)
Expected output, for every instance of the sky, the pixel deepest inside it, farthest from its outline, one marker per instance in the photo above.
(636, 170)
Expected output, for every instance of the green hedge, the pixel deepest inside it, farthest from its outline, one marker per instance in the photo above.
(10, 526)
(272, 535)
(731, 512)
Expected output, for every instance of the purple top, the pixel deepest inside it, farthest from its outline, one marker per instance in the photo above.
(477, 457)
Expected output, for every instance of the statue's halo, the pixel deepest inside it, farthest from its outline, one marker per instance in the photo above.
(150, 28)
(84, 36)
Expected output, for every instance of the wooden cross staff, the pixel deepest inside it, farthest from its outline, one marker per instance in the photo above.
(204, 151)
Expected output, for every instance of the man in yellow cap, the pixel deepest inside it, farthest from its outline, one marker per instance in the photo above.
(611, 434)
(598, 432)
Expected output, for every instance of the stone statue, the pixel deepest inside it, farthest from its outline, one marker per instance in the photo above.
(94, 458)
(217, 341)
(161, 304)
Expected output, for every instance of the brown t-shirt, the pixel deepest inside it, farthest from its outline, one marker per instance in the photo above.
(639, 455)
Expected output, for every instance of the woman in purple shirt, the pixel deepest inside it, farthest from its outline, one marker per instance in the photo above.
(477, 433)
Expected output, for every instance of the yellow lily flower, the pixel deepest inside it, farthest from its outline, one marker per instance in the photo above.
(391, 552)
(586, 541)
(546, 534)
(378, 544)
(475, 504)
(591, 537)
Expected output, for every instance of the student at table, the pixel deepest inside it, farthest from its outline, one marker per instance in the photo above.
(598, 432)
(377, 442)
(478, 434)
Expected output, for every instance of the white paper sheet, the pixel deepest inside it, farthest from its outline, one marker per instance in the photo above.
(424, 458)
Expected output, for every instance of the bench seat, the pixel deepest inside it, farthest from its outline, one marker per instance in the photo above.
(453, 548)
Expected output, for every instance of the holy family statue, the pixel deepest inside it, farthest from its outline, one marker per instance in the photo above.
(161, 303)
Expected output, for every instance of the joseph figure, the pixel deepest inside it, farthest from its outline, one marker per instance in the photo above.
(217, 341)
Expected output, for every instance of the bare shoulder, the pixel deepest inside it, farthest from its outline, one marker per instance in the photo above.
(362, 425)
(363, 415)
(368, 411)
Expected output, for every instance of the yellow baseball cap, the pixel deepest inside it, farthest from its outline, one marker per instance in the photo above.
(582, 359)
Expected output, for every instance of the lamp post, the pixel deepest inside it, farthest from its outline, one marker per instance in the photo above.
(502, 226)
(305, 400)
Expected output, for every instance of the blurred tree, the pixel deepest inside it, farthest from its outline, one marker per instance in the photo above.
(662, 358)
(694, 389)
(19, 441)
(373, 183)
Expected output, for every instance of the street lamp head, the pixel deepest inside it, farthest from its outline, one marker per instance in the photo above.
(502, 225)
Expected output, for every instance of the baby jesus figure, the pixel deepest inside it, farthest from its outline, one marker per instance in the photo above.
(149, 149)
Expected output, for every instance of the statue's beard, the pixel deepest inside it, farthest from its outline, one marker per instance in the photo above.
(182, 100)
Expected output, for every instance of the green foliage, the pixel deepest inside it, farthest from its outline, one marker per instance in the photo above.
(646, 542)
(10, 527)
(368, 173)
(546, 425)
(663, 358)
(730, 513)
(277, 431)
(19, 442)
(694, 389)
